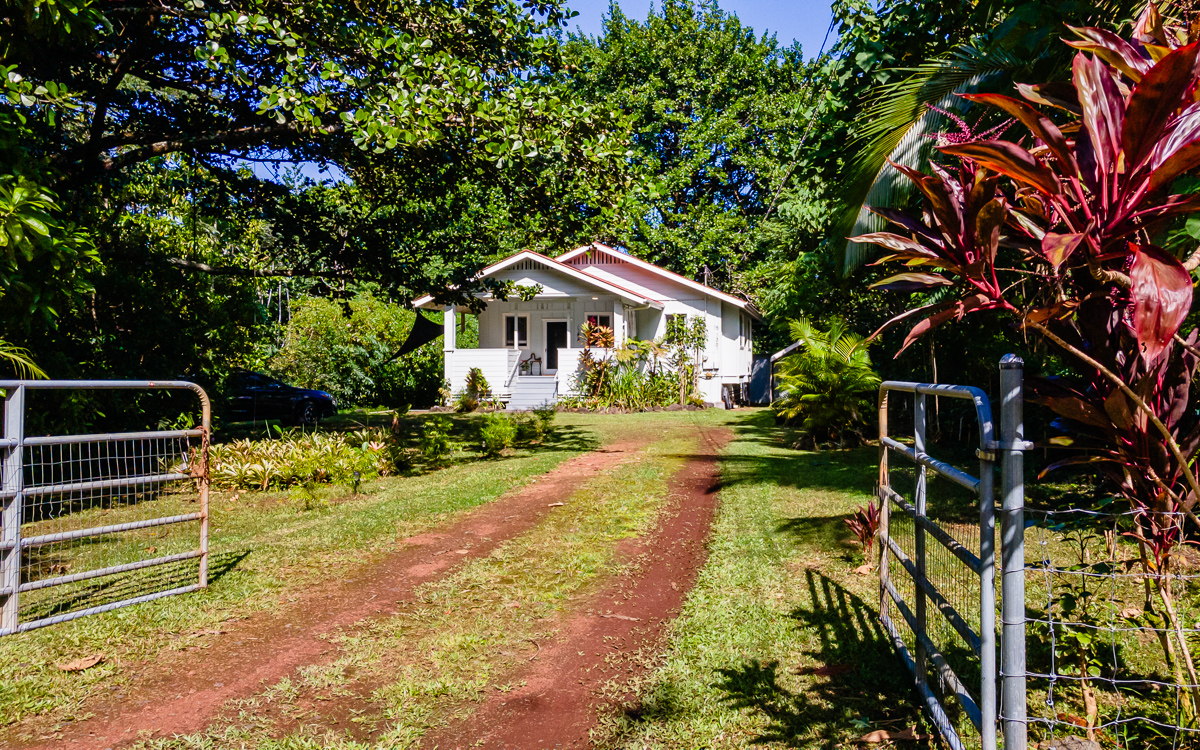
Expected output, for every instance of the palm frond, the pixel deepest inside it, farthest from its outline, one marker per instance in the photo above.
(21, 361)
(894, 127)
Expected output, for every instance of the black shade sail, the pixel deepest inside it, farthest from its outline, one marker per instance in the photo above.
(423, 331)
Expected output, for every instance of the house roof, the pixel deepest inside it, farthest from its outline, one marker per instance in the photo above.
(576, 273)
(662, 272)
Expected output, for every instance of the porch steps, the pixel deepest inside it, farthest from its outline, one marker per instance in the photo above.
(532, 391)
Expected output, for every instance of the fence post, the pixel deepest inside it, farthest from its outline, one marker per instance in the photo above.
(919, 532)
(884, 504)
(12, 478)
(1012, 550)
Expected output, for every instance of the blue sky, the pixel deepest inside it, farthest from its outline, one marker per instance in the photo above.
(802, 20)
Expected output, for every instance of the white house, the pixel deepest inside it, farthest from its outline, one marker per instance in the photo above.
(602, 285)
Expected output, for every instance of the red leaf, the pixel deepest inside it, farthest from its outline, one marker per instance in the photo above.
(911, 282)
(901, 219)
(1173, 155)
(1058, 247)
(1158, 96)
(1112, 49)
(1103, 109)
(1037, 123)
(1008, 159)
(1149, 27)
(1057, 94)
(1161, 291)
(944, 209)
(893, 242)
(954, 310)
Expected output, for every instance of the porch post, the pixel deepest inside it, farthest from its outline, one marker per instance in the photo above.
(618, 323)
(449, 341)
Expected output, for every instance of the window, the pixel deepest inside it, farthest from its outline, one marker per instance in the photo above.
(742, 330)
(516, 331)
(604, 321)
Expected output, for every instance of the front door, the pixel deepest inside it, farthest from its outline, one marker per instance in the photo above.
(556, 338)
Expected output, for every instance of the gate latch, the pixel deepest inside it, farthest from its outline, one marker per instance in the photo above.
(1000, 445)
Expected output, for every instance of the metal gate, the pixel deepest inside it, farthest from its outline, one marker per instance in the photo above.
(92, 523)
(960, 580)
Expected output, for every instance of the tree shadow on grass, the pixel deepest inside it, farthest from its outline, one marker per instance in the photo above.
(861, 679)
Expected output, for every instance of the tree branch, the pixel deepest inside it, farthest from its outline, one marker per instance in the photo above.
(246, 136)
(192, 265)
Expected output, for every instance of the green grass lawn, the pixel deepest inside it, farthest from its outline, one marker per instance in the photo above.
(777, 601)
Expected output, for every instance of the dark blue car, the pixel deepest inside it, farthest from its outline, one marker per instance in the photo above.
(256, 397)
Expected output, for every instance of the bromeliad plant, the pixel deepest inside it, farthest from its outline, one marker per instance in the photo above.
(1069, 231)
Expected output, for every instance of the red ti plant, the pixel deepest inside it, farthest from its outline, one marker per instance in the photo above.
(1073, 209)
(865, 525)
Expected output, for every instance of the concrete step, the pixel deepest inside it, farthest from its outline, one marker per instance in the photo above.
(532, 391)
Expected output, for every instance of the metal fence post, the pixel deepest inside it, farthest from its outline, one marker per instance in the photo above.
(205, 481)
(884, 504)
(1012, 550)
(11, 484)
(919, 531)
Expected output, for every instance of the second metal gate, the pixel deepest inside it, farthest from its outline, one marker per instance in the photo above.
(970, 625)
(92, 523)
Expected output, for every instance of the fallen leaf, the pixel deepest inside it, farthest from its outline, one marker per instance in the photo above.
(79, 665)
(864, 570)
(886, 735)
(200, 633)
(152, 550)
(555, 505)
(1072, 719)
(623, 617)
(1131, 612)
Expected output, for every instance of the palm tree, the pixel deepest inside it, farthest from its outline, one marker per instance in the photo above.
(828, 385)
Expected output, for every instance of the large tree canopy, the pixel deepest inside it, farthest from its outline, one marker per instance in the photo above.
(95, 89)
(714, 110)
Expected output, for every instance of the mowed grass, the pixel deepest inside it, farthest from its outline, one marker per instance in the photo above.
(265, 548)
(779, 642)
(466, 635)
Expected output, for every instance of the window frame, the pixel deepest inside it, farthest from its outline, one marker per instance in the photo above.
(516, 342)
(597, 317)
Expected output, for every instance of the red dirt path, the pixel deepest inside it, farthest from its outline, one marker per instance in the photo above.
(183, 691)
(565, 688)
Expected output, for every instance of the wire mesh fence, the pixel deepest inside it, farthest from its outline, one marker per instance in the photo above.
(1111, 628)
(96, 522)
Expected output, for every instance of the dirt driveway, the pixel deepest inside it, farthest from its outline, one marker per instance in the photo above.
(563, 687)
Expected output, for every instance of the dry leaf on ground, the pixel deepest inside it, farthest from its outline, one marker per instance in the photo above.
(864, 570)
(887, 735)
(79, 665)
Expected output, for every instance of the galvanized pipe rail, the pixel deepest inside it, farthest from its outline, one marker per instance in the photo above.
(982, 712)
(13, 494)
(985, 712)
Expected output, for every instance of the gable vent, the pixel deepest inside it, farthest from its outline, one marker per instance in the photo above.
(525, 265)
(596, 258)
